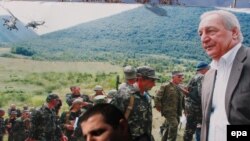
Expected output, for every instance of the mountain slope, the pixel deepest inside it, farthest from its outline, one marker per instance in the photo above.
(165, 30)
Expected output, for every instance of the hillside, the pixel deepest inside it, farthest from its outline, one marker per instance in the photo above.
(155, 35)
(161, 36)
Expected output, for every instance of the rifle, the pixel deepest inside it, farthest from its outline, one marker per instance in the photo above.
(117, 82)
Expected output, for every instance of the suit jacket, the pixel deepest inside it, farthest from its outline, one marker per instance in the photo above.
(237, 98)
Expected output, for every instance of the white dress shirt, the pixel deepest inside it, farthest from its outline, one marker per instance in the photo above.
(218, 118)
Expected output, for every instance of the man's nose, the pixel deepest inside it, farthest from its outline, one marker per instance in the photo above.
(204, 38)
(90, 138)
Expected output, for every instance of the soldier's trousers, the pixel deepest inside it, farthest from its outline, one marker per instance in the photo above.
(191, 125)
(171, 123)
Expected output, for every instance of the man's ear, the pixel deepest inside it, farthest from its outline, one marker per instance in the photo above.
(235, 33)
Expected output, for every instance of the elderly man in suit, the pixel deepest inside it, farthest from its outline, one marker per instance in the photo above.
(226, 86)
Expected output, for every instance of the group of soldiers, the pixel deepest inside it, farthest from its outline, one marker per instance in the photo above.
(132, 98)
(173, 98)
(17, 125)
(44, 123)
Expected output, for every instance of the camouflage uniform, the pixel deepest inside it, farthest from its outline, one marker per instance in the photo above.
(99, 99)
(140, 118)
(193, 106)
(71, 97)
(2, 128)
(44, 125)
(69, 118)
(169, 99)
(125, 88)
(9, 124)
(130, 74)
(21, 129)
(18, 111)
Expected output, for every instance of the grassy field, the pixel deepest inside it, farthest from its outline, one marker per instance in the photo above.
(25, 81)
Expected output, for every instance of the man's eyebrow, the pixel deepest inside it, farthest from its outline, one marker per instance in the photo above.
(97, 132)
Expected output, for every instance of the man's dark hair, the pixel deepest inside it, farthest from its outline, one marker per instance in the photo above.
(110, 113)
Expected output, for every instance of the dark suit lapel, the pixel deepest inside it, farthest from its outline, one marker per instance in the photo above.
(234, 76)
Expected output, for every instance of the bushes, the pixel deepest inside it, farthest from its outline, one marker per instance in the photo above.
(38, 85)
(23, 51)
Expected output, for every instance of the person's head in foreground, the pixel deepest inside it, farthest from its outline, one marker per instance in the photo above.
(104, 122)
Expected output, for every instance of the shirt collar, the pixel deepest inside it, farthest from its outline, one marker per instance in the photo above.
(226, 58)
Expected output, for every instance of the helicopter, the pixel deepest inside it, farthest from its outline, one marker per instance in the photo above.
(34, 24)
(10, 23)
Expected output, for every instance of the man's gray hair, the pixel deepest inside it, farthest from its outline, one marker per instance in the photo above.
(229, 19)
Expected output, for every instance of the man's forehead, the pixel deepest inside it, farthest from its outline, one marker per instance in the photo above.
(93, 123)
(210, 20)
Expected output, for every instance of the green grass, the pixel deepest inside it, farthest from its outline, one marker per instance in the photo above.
(25, 81)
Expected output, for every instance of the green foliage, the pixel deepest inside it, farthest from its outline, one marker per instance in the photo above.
(49, 82)
(23, 51)
(8, 55)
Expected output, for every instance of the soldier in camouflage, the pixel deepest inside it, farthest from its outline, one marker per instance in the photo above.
(22, 126)
(13, 108)
(168, 101)
(76, 94)
(99, 96)
(130, 79)
(193, 102)
(44, 124)
(140, 112)
(68, 119)
(2, 124)
(111, 94)
(9, 124)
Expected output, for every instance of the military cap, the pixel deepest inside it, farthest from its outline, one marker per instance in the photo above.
(112, 93)
(98, 88)
(146, 71)
(130, 72)
(99, 99)
(201, 65)
(51, 97)
(76, 101)
(178, 73)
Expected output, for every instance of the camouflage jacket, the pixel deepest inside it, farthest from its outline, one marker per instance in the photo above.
(194, 88)
(126, 88)
(69, 118)
(193, 99)
(44, 125)
(2, 126)
(21, 129)
(70, 98)
(140, 118)
(12, 122)
(169, 99)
